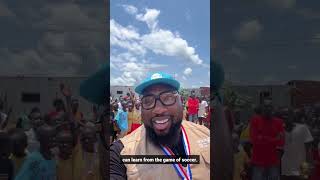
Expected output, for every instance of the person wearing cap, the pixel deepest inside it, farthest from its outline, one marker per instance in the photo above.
(162, 129)
(96, 90)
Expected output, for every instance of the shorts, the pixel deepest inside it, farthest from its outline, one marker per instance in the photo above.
(193, 117)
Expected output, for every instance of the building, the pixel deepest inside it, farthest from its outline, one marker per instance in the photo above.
(25, 92)
(304, 93)
(279, 93)
(117, 91)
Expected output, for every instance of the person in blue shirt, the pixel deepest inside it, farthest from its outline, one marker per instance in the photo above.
(122, 119)
(40, 164)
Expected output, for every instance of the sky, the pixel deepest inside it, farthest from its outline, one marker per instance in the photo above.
(268, 41)
(52, 38)
(167, 36)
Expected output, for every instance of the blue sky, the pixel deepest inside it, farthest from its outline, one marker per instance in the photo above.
(168, 36)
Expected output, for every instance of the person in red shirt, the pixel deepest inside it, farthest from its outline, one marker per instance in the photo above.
(267, 138)
(193, 107)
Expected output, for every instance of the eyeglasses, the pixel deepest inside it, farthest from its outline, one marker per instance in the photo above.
(166, 98)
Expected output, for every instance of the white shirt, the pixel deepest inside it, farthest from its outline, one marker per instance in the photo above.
(119, 106)
(3, 117)
(294, 150)
(202, 108)
(33, 143)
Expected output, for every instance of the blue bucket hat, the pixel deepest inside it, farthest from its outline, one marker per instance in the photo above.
(94, 89)
(157, 78)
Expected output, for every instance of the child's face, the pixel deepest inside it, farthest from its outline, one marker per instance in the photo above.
(48, 140)
(236, 142)
(65, 145)
(88, 140)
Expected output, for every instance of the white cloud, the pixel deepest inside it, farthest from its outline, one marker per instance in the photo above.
(292, 67)
(184, 78)
(282, 4)
(5, 11)
(125, 37)
(235, 51)
(130, 9)
(131, 70)
(123, 33)
(187, 71)
(150, 17)
(131, 63)
(159, 41)
(249, 30)
(164, 42)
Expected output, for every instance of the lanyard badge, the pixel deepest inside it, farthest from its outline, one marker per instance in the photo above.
(178, 167)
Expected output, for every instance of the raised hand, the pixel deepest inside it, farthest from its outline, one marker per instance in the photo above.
(65, 90)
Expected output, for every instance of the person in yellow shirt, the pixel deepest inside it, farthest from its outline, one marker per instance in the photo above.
(77, 115)
(241, 159)
(90, 165)
(20, 142)
(68, 160)
(134, 117)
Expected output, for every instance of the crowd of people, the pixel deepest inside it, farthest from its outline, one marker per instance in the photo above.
(277, 143)
(60, 144)
(125, 113)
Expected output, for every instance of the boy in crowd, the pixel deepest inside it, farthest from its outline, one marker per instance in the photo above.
(67, 160)
(122, 120)
(241, 159)
(6, 165)
(90, 166)
(40, 164)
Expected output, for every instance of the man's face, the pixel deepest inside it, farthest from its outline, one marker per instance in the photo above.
(88, 140)
(65, 144)
(162, 122)
(236, 142)
(48, 139)
(138, 106)
(36, 120)
(75, 105)
(59, 106)
(130, 106)
(267, 108)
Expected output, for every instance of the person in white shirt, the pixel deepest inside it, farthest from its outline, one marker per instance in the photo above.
(202, 110)
(298, 140)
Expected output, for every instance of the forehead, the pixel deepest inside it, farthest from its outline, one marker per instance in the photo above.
(157, 88)
(88, 132)
(267, 102)
(64, 136)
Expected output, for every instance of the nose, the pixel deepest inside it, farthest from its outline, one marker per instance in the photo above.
(159, 108)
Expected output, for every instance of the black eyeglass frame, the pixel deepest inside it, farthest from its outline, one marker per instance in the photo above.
(157, 97)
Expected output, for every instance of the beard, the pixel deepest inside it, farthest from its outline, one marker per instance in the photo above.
(170, 139)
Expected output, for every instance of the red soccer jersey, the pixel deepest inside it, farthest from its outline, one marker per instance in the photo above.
(266, 136)
(193, 106)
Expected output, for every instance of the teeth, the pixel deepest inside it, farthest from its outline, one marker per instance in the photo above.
(162, 121)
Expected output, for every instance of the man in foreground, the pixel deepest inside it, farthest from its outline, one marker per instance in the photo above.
(95, 90)
(162, 131)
